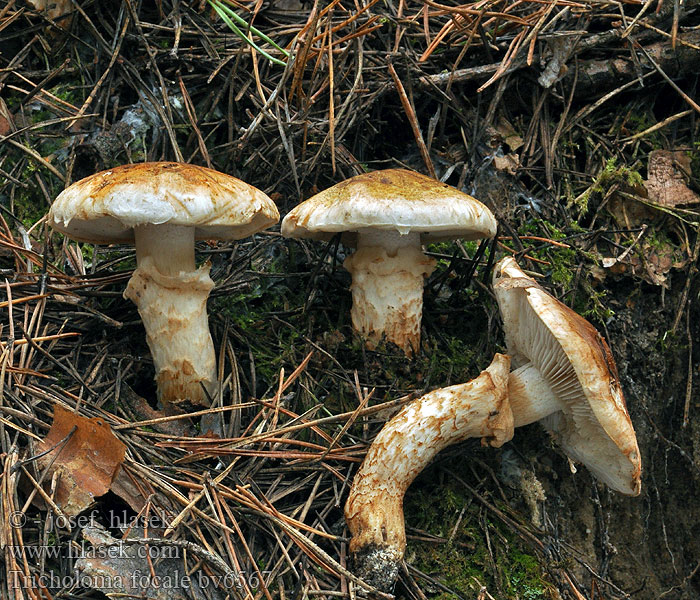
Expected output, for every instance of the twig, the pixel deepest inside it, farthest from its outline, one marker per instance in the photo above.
(411, 115)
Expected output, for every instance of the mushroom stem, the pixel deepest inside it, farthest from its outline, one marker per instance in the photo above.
(388, 270)
(171, 296)
(406, 444)
(530, 396)
(170, 247)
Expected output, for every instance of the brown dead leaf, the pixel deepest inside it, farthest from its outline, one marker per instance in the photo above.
(87, 462)
(510, 136)
(629, 213)
(508, 163)
(144, 412)
(54, 10)
(7, 124)
(668, 173)
(131, 488)
(652, 266)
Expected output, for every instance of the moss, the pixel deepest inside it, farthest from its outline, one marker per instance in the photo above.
(251, 314)
(612, 174)
(29, 203)
(455, 361)
(449, 247)
(560, 265)
(278, 318)
(694, 156)
(272, 346)
(67, 92)
(640, 119)
(442, 250)
(463, 562)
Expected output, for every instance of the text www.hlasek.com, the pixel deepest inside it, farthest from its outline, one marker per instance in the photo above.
(90, 552)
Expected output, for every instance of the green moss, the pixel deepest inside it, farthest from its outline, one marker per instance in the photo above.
(560, 265)
(251, 314)
(443, 252)
(449, 247)
(612, 174)
(279, 317)
(29, 203)
(455, 361)
(68, 93)
(465, 562)
(641, 119)
(694, 156)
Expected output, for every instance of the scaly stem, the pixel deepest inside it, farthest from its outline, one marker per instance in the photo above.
(388, 271)
(406, 444)
(171, 296)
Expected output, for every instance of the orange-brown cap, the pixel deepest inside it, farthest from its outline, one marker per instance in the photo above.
(106, 206)
(593, 426)
(391, 200)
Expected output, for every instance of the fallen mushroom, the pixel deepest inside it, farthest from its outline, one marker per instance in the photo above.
(162, 208)
(404, 446)
(387, 215)
(566, 379)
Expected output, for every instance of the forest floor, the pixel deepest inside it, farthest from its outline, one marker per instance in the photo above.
(575, 122)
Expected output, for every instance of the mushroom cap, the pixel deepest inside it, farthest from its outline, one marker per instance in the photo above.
(391, 200)
(105, 207)
(593, 426)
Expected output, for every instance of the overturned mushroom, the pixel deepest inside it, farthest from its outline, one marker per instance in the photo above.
(566, 379)
(387, 215)
(163, 208)
(406, 444)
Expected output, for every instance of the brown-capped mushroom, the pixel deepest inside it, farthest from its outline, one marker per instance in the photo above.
(387, 215)
(162, 208)
(566, 379)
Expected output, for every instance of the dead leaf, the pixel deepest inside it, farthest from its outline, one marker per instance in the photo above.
(668, 173)
(143, 411)
(508, 163)
(510, 136)
(7, 124)
(561, 49)
(131, 489)
(657, 261)
(54, 10)
(629, 213)
(87, 463)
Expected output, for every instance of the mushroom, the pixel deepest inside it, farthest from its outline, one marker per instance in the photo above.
(566, 379)
(404, 446)
(387, 215)
(163, 207)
